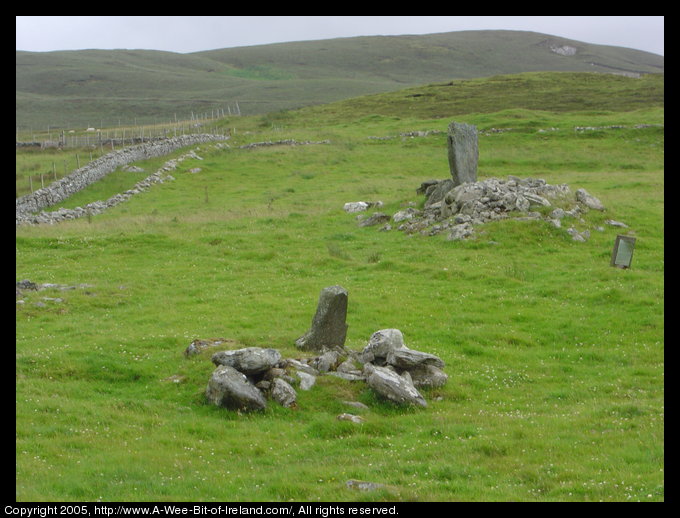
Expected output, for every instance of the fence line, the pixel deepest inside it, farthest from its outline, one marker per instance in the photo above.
(125, 134)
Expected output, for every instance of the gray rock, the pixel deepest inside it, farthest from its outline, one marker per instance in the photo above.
(362, 485)
(328, 325)
(282, 392)
(463, 152)
(230, 388)
(350, 417)
(428, 376)
(435, 193)
(250, 360)
(389, 385)
(326, 362)
(355, 206)
(375, 219)
(306, 380)
(410, 359)
(382, 342)
(615, 223)
(588, 200)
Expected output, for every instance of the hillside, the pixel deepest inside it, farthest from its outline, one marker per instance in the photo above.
(108, 87)
(555, 359)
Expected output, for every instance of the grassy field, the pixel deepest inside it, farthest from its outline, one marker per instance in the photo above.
(555, 359)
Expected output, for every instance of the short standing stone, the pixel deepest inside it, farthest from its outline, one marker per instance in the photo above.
(463, 152)
(230, 388)
(328, 325)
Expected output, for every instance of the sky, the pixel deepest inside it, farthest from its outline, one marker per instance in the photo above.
(196, 33)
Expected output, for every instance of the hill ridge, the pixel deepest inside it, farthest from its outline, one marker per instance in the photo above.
(66, 88)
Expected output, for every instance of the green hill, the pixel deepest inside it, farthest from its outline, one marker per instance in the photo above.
(108, 87)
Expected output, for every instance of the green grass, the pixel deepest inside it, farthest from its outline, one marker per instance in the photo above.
(555, 359)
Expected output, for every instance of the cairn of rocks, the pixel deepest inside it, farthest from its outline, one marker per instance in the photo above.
(458, 204)
(246, 379)
(458, 210)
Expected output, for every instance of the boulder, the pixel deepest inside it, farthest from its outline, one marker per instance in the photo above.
(382, 342)
(428, 376)
(281, 392)
(390, 385)
(328, 325)
(588, 200)
(410, 359)
(230, 388)
(250, 360)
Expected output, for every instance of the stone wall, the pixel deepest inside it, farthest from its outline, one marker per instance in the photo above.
(61, 189)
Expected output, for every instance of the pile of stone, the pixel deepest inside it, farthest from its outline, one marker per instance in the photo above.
(459, 209)
(245, 379)
(460, 203)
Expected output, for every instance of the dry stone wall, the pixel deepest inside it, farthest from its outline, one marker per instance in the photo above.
(61, 189)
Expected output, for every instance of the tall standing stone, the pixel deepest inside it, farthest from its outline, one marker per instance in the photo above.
(463, 152)
(328, 325)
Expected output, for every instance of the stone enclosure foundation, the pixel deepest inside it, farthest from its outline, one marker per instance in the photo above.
(60, 190)
(245, 379)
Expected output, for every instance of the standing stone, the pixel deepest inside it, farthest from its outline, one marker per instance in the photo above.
(328, 325)
(463, 152)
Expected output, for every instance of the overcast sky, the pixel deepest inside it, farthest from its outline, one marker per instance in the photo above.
(196, 33)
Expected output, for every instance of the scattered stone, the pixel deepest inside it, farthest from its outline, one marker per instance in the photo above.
(282, 393)
(250, 360)
(360, 206)
(351, 417)
(588, 200)
(392, 386)
(375, 219)
(231, 389)
(364, 486)
(409, 359)
(408, 213)
(381, 343)
(306, 380)
(615, 223)
(327, 361)
(328, 325)
(198, 346)
(428, 376)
